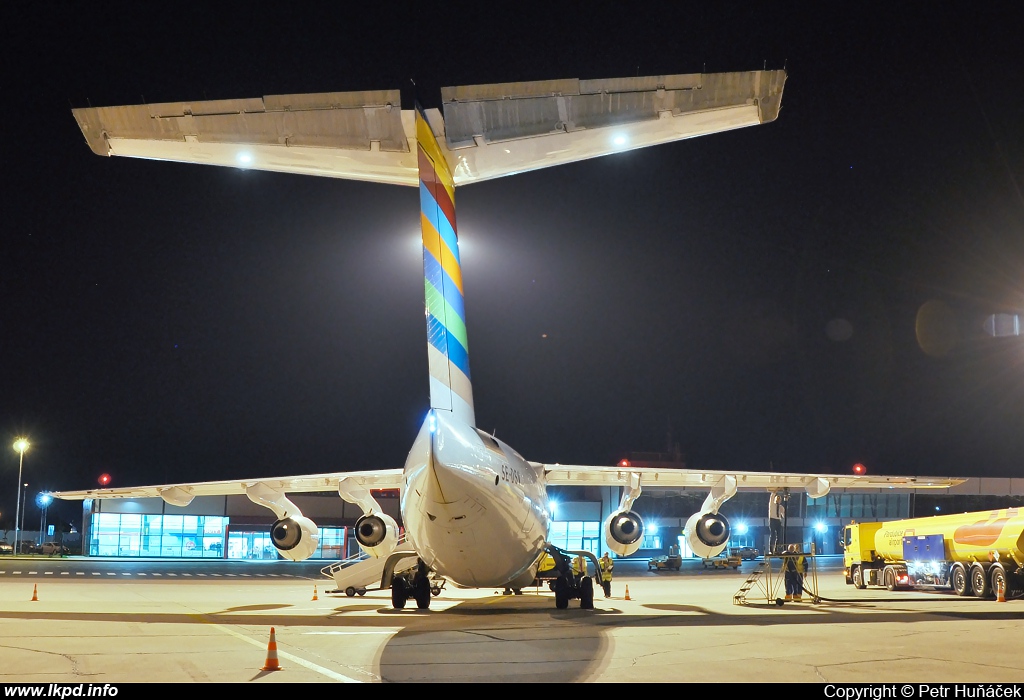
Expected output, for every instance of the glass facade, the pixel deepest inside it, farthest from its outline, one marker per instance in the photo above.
(192, 536)
(576, 535)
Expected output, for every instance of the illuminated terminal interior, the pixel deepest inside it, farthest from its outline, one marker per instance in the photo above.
(232, 527)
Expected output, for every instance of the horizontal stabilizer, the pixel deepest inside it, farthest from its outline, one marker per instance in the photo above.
(487, 131)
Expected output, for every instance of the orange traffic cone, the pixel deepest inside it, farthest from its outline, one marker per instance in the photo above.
(1001, 592)
(35, 592)
(314, 594)
(272, 664)
(627, 594)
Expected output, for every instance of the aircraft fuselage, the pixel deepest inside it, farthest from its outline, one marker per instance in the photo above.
(474, 509)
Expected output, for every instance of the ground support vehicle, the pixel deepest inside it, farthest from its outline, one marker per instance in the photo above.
(722, 561)
(746, 553)
(673, 561)
(555, 569)
(970, 553)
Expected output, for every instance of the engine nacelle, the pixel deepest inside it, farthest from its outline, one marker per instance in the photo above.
(377, 534)
(707, 533)
(624, 532)
(295, 538)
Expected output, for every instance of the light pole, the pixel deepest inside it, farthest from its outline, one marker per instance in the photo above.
(43, 501)
(21, 444)
(24, 497)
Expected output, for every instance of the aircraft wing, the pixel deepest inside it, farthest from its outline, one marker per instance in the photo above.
(486, 131)
(572, 475)
(376, 479)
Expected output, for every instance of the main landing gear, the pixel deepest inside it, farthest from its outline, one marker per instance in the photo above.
(414, 584)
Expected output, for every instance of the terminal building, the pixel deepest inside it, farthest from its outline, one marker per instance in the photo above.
(233, 527)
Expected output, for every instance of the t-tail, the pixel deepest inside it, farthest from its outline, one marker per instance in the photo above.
(451, 388)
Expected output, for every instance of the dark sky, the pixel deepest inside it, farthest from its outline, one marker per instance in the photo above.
(759, 292)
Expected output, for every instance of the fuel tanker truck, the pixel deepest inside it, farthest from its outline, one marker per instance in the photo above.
(971, 553)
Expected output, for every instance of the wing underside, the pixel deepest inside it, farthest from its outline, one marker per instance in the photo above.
(572, 475)
(486, 131)
(379, 479)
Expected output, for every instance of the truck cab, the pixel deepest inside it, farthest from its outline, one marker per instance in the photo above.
(859, 552)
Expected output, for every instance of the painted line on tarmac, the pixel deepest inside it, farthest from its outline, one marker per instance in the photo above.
(334, 676)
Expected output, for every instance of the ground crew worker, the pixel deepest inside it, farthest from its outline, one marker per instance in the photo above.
(606, 565)
(796, 567)
(579, 566)
(776, 512)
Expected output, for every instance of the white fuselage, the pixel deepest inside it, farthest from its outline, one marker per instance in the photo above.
(475, 510)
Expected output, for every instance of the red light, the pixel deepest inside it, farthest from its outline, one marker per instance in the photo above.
(624, 463)
(104, 479)
(859, 468)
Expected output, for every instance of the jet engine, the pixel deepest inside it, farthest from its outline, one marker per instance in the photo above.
(296, 538)
(624, 532)
(377, 534)
(707, 533)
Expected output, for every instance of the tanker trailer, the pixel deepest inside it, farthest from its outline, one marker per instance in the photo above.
(970, 553)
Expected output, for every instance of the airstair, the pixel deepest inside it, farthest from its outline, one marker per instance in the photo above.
(362, 572)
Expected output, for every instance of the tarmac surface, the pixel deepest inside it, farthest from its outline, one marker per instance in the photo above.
(684, 626)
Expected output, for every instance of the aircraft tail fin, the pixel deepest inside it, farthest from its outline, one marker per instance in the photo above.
(447, 348)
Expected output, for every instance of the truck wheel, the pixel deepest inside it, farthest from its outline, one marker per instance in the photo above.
(350, 591)
(979, 581)
(997, 575)
(958, 580)
(858, 578)
(890, 578)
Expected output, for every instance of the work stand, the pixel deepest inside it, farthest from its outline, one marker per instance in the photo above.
(766, 584)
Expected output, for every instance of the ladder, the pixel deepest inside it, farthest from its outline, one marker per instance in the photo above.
(753, 579)
(768, 583)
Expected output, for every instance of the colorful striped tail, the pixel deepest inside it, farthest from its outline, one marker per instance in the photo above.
(447, 347)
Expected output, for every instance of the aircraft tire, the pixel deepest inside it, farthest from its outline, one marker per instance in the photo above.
(561, 593)
(421, 592)
(587, 593)
(399, 594)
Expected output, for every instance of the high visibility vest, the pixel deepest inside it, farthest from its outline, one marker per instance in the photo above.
(606, 569)
(797, 564)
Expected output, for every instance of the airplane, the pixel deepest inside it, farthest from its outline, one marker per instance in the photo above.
(476, 512)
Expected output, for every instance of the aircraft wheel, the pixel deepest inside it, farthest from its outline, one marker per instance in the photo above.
(350, 591)
(979, 581)
(958, 580)
(561, 593)
(421, 591)
(587, 593)
(399, 594)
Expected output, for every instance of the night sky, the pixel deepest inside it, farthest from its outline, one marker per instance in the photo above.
(801, 295)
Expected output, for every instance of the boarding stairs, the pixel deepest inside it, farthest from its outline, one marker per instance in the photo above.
(361, 572)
